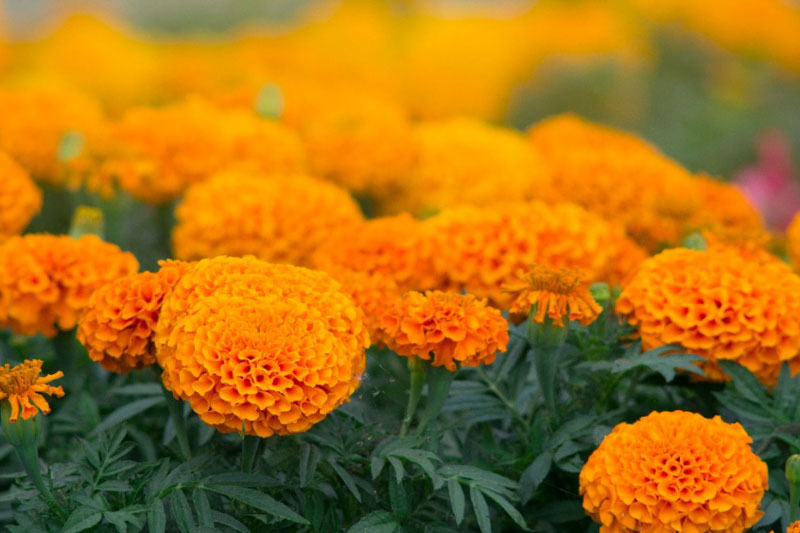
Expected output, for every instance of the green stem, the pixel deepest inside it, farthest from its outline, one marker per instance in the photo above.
(545, 362)
(794, 502)
(176, 414)
(250, 445)
(416, 368)
(29, 457)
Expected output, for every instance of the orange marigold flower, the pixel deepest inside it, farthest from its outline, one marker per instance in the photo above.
(273, 348)
(46, 280)
(464, 161)
(281, 219)
(793, 241)
(20, 198)
(719, 304)
(395, 248)
(674, 471)
(794, 527)
(453, 328)
(118, 325)
(480, 249)
(555, 293)
(155, 153)
(22, 387)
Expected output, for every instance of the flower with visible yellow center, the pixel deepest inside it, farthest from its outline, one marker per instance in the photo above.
(22, 386)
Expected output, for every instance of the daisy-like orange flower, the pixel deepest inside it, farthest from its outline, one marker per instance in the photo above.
(554, 293)
(22, 387)
(451, 329)
(674, 471)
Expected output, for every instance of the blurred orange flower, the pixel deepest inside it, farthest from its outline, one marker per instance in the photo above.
(20, 198)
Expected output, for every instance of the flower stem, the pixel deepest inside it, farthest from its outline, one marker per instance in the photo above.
(175, 412)
(29, 457)
(416, 370)
(250, 445)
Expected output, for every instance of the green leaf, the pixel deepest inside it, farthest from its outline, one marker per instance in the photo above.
(156, 517)
(480, 508)
(456, 499)
(182, 511)
(484, 478)
(126, 412)
(399, 471)
(376, 465)
(533, 476)
(241, 479)
(424, 459)
(202, 507)
(439, 381)
(657, 360)
(346, 478)
(508, 508)
(745, 383)
(259, 500)
(309, 457)
(139, 389)
(376, 522)
(82, 519)
(398, 498)
(228, 520)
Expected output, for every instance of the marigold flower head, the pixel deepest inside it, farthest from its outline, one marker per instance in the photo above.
(46, 281)
(265, 347)
(555, 293)
(119, 322)
(22, 386)
(463, 161)
(282, 219)
(719, 304)
(155, 153)
(674, 471)
(794, 527)
(20, 198)
(450, 328)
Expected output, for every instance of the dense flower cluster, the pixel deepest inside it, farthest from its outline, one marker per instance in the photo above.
(282, 219)
(449, 329)
(118, 324)
(22, 387)
(46, 281)
(20, 198)
(261, 347)
(674, 471)
(554, 293)
(719, 304)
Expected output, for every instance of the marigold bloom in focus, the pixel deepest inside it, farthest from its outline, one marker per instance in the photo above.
(720, 304)
(273, 348)
(451, 328)
(20, 198)
(674, 471)
(46, 280)
(22, 386)
(281, 219)
(794, 527)
(119, 322)
(555, 293)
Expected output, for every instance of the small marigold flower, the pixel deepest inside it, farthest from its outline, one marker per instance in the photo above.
(119, 323)
(46, 281)
(257, 346)
(674, 471)
(719, 304)
(281, 219)
(20, 198)
(794, 527)
(22, 387)
(554, 293)
(447, 327)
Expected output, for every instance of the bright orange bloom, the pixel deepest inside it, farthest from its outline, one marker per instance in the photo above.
(118, 325)
(20, 198)
(552, 293)
(22, 387)
(46, 280)
(273, 348)
(794, 527)
(450, 328)
(674, 471)
(282, 219)
(720, 304)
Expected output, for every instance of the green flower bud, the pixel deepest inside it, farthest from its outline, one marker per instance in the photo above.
(22, 432)
(793, 469)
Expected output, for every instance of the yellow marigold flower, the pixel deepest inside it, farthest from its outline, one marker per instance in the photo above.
(46, 280)
(22, 387)
(719, 304)
(20, 198)
(480, 249)
(261, 347)
(119, 322)
(155, 153)
(282, 219)
(555, 293)
(452, 328)
(674, 471)
(464, 161)
(395, 248)
(793, 241)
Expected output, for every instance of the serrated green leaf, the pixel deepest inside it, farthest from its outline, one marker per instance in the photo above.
(510, 510)
(229, 521)
(457, 501)
(126, 412)
(181, 511)
(259, 501)
(480, 508)
(397, 466)
(657, 360)
(309, 458)
(202, 507)
(424, 459)
(745, 383)
(82, 519)
(346, 478)
(376, 522)
(533, 476)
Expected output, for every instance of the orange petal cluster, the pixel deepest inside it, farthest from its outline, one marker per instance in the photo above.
(554, 293)
(719, 304)
(282, 219)
(674, 471)
(451, 329)
(794, 527)
(258, 347)
(20, 198)
(46, 281)
(118, 325)
(22, 386)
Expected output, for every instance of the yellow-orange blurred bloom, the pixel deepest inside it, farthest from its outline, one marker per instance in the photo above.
(20, 198)
(22, 386)
(554, 293)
